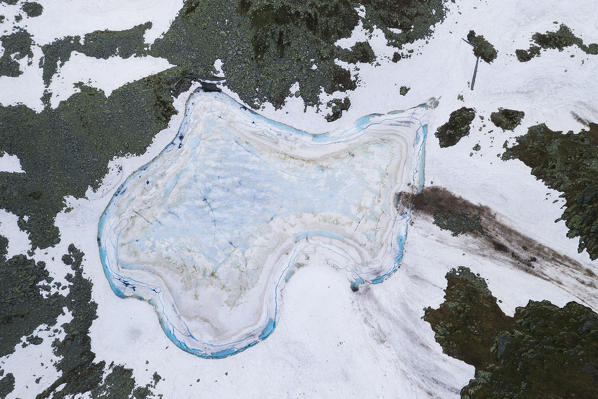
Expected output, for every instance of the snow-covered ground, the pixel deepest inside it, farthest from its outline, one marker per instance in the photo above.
(331, 342)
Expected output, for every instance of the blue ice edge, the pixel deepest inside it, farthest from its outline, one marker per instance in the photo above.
(418, 179)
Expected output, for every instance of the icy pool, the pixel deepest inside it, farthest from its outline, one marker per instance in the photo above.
(212, 228)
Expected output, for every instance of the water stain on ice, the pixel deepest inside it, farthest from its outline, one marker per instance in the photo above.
(211, 229)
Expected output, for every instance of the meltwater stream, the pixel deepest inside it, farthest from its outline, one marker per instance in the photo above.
(211, 229)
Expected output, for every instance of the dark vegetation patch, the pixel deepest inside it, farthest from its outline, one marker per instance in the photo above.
(560, 39)
(98, 44)
(507, 119)
(457, 127)
(542, 352)
(481, 47)
(32, 9)
(337, 106)
(17, 45)
(566, 163)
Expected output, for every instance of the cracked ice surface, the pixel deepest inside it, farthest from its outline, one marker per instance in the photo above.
(210, 230)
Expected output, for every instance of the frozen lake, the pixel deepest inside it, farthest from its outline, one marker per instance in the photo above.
(211, 229)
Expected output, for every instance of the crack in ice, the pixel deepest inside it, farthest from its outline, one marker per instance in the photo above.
(211, 229)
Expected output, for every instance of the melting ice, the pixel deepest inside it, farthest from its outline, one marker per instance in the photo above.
(211, 229)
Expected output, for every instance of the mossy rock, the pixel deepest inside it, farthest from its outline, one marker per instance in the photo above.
(507, 119)
(360, 52)
(32, 9)
(458, 126)
(542, 352)
(527, 55)
(550, 352)
(466, 324)
(482, 47)
(566, 163)
(337, 107)
(559, 40)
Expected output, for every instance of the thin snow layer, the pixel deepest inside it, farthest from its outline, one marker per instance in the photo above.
(18, 240)
(209, 231)
(10, 163)
(26, 88)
